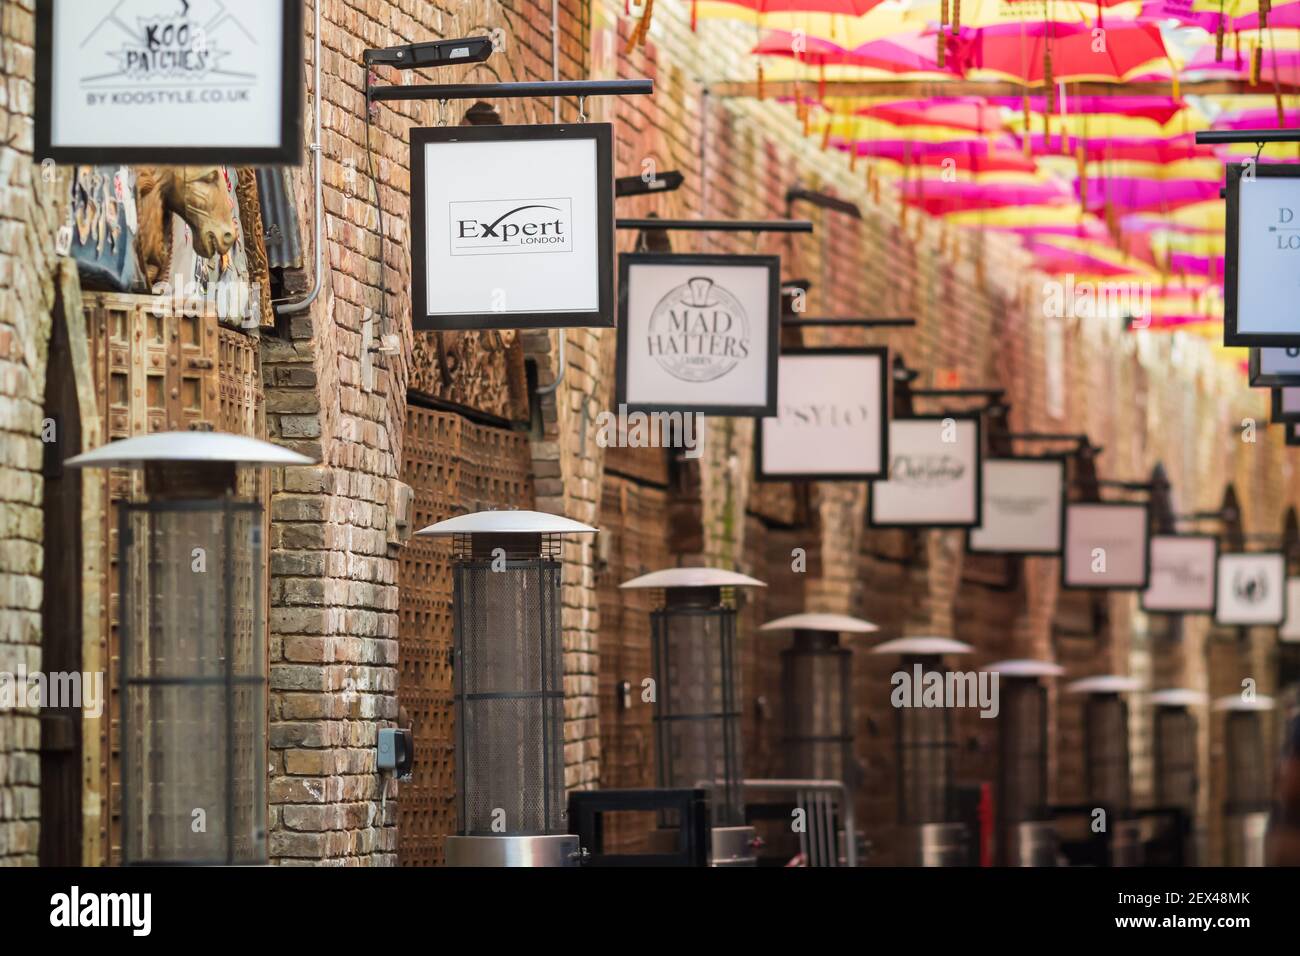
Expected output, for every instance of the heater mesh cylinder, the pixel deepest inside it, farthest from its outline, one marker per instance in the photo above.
(697, 717)
(924, 745)
(509, 696)
(1175, 757)
(193, 687)
(816, 695)
(1248, 785)
(1022, 758)
(1106, 761)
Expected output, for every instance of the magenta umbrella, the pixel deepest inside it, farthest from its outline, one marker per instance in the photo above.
(1190, 264)
(1138, 195)
(1158, 108)
(1258, 119)
(1283, 15)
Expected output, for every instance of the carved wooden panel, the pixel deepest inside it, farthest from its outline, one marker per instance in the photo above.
(454, 466)
(158, 372)
(480, 370)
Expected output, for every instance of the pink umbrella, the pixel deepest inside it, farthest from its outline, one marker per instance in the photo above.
(1158, 108)
(1135, 195)
(967, 112)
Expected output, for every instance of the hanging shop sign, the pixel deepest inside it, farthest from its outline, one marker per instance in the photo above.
(1286, 404)
(512, 227)
(1021, 511)
(699, 333)
(1251, 589)
(1262, 256)
(174, 82)
(831, 417)
(1293, 434)
(1291, 627)
(934, 474)
(1184, 571)
(1106, 545)
(1274, 367)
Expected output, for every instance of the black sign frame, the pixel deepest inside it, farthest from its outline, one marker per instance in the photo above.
(1276, 415)
(603, 317)
(772, 263)
(975, 417)
(1062, 462)
(1231, 269)
(1261, 379)
(289, 152)
(1214, 573)
(886, 381)
(1065, 546)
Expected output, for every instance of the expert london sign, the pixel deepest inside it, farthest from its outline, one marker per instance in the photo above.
(1262, 256)
(512, 227)
(169, 81)
(699, 333)
(832, 417)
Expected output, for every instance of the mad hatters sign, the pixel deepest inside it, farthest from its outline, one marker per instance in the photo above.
(1106, 546)
(1251, 589)
(178, 82)
(1184, 571)
(512, 227)
(1021, 513)
(934, 474)
(699, 333)
(1262, 258)
(832, 412)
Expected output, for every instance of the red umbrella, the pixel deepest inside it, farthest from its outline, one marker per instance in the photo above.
(1075, 53)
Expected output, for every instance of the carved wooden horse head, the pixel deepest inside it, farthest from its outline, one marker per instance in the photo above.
(197, 194)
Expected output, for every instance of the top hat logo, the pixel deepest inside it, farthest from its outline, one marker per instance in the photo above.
(699, 331)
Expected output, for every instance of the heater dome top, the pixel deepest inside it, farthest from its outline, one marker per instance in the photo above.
(693, 578)
(1235, 702)
(1105, 684)
(195, 446)
(508, 522)
(923, 646)
(1178, 697)
(1026, 667)
(837, 623)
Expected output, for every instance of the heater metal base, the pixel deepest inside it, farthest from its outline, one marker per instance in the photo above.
(939, 844)
(733, 846)
(556, 850)
(1031, 843)
(1246, 835)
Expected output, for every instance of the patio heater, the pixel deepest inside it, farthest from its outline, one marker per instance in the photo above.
(509, 688)
(1026, 834)
(697, 697)
(924, 750)
(1106, 760)
(1248, 798)
(816, 691)
(192, 675)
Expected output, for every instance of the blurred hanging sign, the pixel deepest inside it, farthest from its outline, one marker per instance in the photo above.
(1274, 367)
(180, 82)
(1183, 573)
(934, 474)
(832, 416)
(1021, 513)
(1291, 627)
(699, 333)
(1286, 404)
(512, 227)
(1263, 255)
(1251, 589)
(1106, 546)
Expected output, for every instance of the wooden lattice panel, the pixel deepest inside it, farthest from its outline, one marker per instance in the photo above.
(480, 370)
(454, 466)
(153, 372)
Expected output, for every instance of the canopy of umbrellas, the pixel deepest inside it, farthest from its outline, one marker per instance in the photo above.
(1084, 147)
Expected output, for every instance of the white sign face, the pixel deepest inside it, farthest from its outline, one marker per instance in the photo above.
(1105, 546)
(1022, 507)
(934, 474)
(1252, 589)
(831, 416)
(1291, 628)
(170, 81)
(1263, 264)
(699, 333)
(1183, 569)
(512, 227)
(1275, 366)
(1286, 403)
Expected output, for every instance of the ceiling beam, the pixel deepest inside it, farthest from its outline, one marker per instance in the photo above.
(923, 89)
